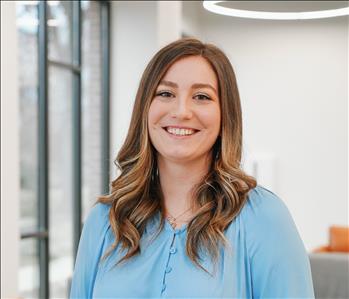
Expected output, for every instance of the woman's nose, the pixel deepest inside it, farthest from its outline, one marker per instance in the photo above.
(182, 109)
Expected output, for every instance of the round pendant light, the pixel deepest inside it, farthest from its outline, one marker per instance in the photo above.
(279, 10)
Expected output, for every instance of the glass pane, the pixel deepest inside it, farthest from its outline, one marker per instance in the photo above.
(59, 22)
(29, 269)
(27, 28)
(60, 176)
(91, 105)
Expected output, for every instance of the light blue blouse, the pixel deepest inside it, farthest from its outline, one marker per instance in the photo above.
(267, 259)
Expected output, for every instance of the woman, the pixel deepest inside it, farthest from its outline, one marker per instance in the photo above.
(183, 219)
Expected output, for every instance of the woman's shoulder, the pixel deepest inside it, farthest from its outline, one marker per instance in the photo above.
(267, 222)
(264, 207)
(276, 254)
(100, 209)
(266, 214)
(98, 217)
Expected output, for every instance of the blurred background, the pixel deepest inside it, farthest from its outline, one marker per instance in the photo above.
(69, 75)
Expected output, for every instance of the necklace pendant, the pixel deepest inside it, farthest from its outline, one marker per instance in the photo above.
(172, 221)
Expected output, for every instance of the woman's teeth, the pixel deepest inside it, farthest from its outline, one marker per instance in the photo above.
(180, 132)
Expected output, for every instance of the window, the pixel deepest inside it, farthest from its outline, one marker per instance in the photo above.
(64, 134)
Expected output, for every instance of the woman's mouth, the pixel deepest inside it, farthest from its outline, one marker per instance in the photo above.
(180, 133)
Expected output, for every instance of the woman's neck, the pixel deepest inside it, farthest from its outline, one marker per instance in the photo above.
(177, 181)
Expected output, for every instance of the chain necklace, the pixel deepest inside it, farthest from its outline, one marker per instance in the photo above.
(172, 219)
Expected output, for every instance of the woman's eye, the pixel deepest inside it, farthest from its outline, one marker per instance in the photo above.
(203, 97)
(164, 94)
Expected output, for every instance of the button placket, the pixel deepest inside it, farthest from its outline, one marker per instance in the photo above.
(168, 268)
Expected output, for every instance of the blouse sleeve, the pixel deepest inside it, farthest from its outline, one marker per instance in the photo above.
(280, 266)
(89, 252)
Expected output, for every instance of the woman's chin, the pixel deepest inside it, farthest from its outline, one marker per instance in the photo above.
(178, 157)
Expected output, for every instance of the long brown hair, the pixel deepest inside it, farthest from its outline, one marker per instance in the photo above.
(136, 194)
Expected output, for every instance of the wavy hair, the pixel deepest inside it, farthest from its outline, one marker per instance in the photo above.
(136, 194)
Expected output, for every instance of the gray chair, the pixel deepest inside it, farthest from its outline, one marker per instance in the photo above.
(330, 273)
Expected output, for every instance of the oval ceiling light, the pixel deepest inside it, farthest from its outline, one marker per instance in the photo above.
(260, 13)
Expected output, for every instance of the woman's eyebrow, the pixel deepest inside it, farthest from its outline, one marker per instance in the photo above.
(195, 85)
(203, 85)
(168, 83)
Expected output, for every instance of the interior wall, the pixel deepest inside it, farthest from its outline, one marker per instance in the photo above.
(133, 42)
(10, 150)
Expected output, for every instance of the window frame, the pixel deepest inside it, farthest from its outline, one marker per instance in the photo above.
(41, 234)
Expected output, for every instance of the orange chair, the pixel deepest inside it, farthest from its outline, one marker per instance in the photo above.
(338, 240)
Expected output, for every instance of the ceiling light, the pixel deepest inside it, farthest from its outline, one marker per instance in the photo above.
(248, 12)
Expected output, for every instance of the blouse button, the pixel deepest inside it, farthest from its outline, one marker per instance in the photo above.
(168, 269)
(173, 250)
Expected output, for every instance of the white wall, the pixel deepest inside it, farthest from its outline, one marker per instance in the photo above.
(168, 31)
(9, 153)
(292, 77)
(293, 82)
(133, 42)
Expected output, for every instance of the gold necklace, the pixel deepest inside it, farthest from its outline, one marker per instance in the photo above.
(172, 219)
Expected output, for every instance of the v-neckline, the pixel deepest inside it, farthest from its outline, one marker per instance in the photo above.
(168, 227)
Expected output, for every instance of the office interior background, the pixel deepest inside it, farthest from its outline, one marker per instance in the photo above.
(69, 74)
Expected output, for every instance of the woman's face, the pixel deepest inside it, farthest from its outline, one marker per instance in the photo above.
(187, 98)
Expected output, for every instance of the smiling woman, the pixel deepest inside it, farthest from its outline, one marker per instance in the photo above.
(183, 219)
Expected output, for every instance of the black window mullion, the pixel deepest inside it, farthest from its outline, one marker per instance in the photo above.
(43, 152)
(64, 65)
(105, 46)
(77, 148)
(34, 234)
